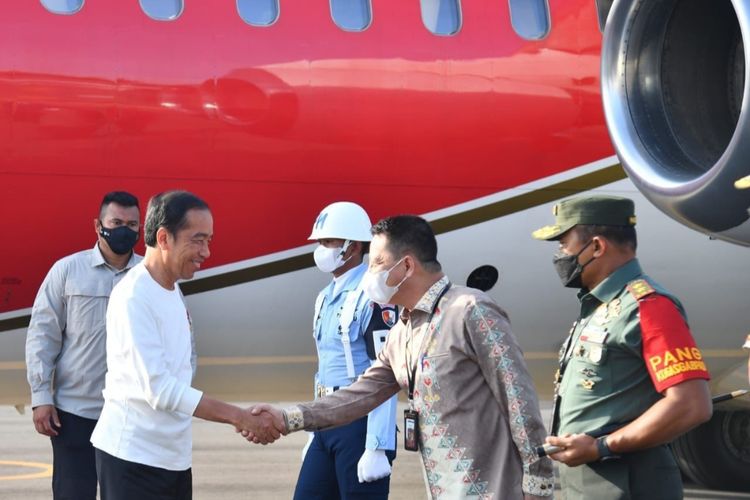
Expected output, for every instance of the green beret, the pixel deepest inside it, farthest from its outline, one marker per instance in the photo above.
(593, 210)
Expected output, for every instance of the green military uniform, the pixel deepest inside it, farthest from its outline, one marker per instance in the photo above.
(603, 381)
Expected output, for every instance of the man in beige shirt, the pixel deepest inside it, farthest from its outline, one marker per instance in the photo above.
(65, 344)
(474, 413)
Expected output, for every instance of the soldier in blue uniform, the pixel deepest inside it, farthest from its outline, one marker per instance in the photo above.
(353, 461)
(631, 378)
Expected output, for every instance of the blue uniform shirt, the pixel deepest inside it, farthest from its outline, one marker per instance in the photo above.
(381, 422)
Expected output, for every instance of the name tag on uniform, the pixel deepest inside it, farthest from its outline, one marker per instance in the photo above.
(595, 335)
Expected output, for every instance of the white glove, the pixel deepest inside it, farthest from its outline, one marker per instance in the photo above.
(373, 466)
(310, 437)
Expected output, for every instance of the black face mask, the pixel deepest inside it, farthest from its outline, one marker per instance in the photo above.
(120, 239)
(569, 269)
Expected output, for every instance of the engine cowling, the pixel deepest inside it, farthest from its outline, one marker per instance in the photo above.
(675, 88)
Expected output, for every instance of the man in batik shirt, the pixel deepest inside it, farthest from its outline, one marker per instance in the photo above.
(471, 397)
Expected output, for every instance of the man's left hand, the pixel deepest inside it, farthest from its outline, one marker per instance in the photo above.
(578, 449)
(372, 466)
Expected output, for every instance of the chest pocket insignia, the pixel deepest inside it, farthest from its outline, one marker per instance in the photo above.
(587, 372)
(587, 384)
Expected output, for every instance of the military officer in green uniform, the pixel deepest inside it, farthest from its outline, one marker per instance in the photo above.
(631, 378)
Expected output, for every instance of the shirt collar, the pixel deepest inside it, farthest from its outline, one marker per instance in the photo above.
(428, 300)
(97, 259)
(613, 284)
(349, 280)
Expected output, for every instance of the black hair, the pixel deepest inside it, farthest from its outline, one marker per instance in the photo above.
(622, 236)
(169, 210)
(122, 198)
(409, 234)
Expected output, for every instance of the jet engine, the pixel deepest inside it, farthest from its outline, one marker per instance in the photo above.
(674, 92)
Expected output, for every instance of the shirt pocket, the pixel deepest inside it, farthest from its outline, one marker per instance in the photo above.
(87, 307)
(436, 363)
(591, 370)
(593, 353)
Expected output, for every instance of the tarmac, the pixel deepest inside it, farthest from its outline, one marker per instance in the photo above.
(225, 466)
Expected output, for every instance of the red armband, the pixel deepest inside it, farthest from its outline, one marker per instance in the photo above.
(668, 346)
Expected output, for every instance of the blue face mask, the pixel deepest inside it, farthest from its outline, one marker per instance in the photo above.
(121, 240)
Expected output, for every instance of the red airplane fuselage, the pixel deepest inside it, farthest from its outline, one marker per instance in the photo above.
(270, 124)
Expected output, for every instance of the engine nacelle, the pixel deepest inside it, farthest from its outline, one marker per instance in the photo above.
(675, 88)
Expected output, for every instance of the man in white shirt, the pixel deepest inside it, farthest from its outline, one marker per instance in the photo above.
(65, 353)
(143, 438)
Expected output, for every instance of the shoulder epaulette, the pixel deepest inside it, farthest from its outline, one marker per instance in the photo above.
(640, 288)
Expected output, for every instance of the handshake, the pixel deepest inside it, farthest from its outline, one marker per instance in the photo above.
(262, 423)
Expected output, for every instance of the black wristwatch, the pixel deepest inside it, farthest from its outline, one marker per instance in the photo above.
(604, 452)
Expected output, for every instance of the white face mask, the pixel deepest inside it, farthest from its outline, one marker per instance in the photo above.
(376, 288)
(330, 259)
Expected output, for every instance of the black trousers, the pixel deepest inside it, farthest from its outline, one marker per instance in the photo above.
(329, 471)
(123, 480)
(73, 464)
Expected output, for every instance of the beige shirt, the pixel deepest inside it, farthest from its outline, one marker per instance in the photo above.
(65, 342)
(479, 416)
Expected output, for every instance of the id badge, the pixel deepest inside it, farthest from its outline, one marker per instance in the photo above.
(411, 430)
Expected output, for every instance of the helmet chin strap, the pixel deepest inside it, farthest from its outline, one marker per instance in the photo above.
(344, 248)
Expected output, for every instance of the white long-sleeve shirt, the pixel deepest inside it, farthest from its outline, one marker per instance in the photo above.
(148, 400)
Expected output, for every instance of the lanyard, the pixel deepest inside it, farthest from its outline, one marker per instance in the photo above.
(411, 368)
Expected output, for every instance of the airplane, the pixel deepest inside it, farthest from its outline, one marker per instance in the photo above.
(478, 116)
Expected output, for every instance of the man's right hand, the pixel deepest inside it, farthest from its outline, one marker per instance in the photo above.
(274, 419)
(45, 416)
(261, 426)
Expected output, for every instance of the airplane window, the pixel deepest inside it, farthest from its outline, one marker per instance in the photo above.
(351, 15)
(162, 10)
(63, 6)
(441, 17)
(258, 12)
(530, 18)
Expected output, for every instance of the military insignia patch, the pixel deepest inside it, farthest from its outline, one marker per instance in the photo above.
(614, 308)
(587, 384)
(587, 372)
(640, 288)
(389, 316)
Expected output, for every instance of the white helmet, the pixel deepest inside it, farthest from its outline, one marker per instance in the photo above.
(342, 220)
